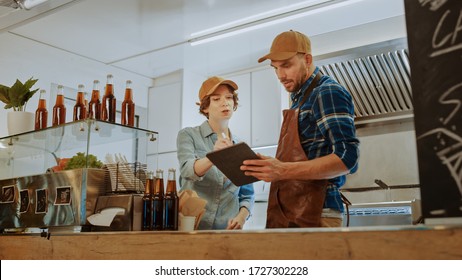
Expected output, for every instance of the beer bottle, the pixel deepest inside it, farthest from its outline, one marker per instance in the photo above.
(59, 110)
(158, 201)
(85, 102)
(147, 202)
(171, 202)
(108, 108)
(80, 110)
(94, 107)
(41, 114)
(128, 106)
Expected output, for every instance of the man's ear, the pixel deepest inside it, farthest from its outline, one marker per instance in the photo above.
(308, 59)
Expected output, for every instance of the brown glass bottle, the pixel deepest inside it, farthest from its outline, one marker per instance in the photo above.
(85, 101)
(128, 106)
(41, 114)
(171, 202)
(80, 110)
(59, 109)
(158, 201)
(147, 202)
(108, 105)
(94, 107)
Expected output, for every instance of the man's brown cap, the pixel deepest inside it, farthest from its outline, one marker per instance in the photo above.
(286, 45)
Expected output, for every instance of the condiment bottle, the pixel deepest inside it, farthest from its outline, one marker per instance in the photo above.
(171, 202)
(108, 106)
(59, 109)
(80, 110)
(147, 202)
(158, 201)
(128, 106)
(41, 114)
(94, 107)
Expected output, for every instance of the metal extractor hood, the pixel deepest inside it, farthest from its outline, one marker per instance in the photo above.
(378, 78)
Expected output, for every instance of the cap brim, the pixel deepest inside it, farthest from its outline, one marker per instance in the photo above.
(224, 82)
(277, 56)
(230, 83)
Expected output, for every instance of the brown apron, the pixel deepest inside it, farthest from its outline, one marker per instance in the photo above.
(295, 203)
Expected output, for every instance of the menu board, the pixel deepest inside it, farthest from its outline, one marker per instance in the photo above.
(434, 29)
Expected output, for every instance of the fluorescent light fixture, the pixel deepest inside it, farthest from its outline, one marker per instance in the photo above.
(265, 19)
(29, 4)
(258, 17)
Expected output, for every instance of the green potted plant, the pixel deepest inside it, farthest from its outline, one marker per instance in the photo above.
(16, 97)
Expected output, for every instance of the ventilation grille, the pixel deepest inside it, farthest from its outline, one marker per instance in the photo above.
(379, 83)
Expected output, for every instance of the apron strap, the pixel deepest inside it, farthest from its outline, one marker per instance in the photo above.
(310, 88)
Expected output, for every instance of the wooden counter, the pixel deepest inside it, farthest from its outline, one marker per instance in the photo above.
(378, 243)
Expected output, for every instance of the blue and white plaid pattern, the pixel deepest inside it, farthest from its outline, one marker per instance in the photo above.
(326, 125)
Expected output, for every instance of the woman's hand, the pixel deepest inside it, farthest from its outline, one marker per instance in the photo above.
(235, 223)
(201, 166)
(238, 221)
(222, 143)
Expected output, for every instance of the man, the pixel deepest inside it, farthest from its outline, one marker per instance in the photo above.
(317, 145)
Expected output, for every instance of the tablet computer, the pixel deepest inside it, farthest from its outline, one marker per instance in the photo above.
(229, 161)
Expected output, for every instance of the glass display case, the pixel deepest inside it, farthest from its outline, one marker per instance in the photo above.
(36, 151)
(36, 192)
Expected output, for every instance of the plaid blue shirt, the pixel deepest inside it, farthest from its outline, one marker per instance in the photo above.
(326, 126)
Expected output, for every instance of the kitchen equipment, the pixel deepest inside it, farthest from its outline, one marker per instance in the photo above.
(63, 198)
(128, 220)
(384, 213)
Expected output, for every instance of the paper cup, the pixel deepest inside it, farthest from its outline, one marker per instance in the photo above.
(186, 223)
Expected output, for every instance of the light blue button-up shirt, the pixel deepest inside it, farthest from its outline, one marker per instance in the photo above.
(224, 199)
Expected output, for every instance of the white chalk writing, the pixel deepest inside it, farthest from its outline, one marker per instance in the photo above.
(451, 152)
(445, 43)
(434, 4)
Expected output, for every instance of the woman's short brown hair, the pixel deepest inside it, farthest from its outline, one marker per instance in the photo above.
(205, 102)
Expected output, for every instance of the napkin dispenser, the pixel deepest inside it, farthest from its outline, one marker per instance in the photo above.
(118, 212)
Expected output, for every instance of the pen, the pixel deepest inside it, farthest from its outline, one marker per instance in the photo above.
(224, 135)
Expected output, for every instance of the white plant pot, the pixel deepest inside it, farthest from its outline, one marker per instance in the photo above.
(20, 122)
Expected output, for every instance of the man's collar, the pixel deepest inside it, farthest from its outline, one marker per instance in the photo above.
(295, 95)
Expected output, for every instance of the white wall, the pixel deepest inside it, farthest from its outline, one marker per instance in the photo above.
(387, 153)
(164, 117)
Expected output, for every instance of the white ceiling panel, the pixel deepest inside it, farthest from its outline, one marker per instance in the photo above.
(109, 30)
(11, 18)
(155, 64)
(150, 38)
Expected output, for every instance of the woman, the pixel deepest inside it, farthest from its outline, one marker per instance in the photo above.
(228, 206)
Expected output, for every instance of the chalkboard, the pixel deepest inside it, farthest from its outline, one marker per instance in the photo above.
(434, 29)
